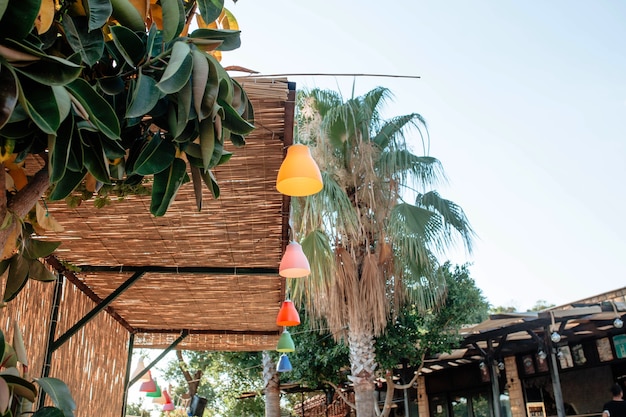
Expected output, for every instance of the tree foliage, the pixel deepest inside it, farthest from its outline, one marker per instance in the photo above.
(113, 97)
(416, 333)
(224, 376)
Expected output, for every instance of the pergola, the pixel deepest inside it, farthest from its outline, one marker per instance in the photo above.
(194, 280)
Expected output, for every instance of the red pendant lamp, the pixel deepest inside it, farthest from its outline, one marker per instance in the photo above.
(294, 263)
(288, 315)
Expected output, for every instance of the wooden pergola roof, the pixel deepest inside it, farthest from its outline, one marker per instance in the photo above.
(211, 276)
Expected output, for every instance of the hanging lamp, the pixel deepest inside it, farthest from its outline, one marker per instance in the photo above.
(288, 315)
(294, 263)
(156, 393)
(139, 369)
(284, 365)
(149, 385)
(285, 343)
(168, 407)
(299, 175)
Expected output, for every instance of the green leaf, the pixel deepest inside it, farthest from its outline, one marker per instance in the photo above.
(20, 386)
(59, 393)
(39, 272)
(173, 18)
(210, 9)
(231, 38)
(190, 133)
(211, 183)
(64, 102)
(199, 80)
(48, 412)
(166, 185)
(89, 43)
(197, 185)
(144, 97)
(100, 112)
(129, 44)
(9, 358)
(19, 19)
(112, 85)
(205, 108)
(35, 249)
(99, 12)
(156, 155)
(4, 264)
(3, 7)
(125, 13)
(59, 149)
(233, 121)
(18, 275)
(8, 94)
(178, 70)
(113, 149)
(40, 103)
(207, 142)
(154, 41)
(94, 158)
(67, 184)
(183, 110)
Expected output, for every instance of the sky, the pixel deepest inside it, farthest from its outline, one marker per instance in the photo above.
(526, 108)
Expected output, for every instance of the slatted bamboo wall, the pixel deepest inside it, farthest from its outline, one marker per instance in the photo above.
(93, 361)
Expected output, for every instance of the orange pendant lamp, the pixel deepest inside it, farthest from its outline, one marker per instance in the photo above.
(288, 315)
(294, 263)
(299, 175)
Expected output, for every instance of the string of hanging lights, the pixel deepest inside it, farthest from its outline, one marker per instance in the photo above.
(298, 176)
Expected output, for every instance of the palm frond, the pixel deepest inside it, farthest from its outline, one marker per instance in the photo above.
(330, 209)
(425, 285)
(396, 127)
(317, 249)
(453, 219)
(411, 170)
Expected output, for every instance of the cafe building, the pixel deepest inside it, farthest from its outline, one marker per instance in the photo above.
(557, 362)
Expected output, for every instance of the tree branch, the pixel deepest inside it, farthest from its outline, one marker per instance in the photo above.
(342, 395)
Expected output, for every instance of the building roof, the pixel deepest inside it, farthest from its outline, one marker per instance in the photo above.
(211, 276)
(510, 333)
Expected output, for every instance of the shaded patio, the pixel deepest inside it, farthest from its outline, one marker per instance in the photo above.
(189, 280)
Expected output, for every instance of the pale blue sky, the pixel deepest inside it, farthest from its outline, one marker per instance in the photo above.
(526, 106)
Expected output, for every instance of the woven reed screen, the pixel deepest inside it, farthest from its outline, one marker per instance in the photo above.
(92, 362)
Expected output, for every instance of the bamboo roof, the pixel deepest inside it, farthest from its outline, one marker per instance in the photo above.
(210, 275)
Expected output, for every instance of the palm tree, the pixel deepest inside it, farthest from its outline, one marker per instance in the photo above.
(362, 238)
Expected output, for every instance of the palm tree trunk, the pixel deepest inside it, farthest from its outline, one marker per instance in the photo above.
(363, 365)
(271, 381)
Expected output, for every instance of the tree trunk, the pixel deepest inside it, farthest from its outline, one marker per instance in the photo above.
(271, 381)
(363, 365)
(23, 201)
(192, 381)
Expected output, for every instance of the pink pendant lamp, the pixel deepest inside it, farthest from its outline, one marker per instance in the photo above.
(294, 263)
(149, 385)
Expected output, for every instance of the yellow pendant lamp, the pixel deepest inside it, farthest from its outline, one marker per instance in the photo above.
(299, 175)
